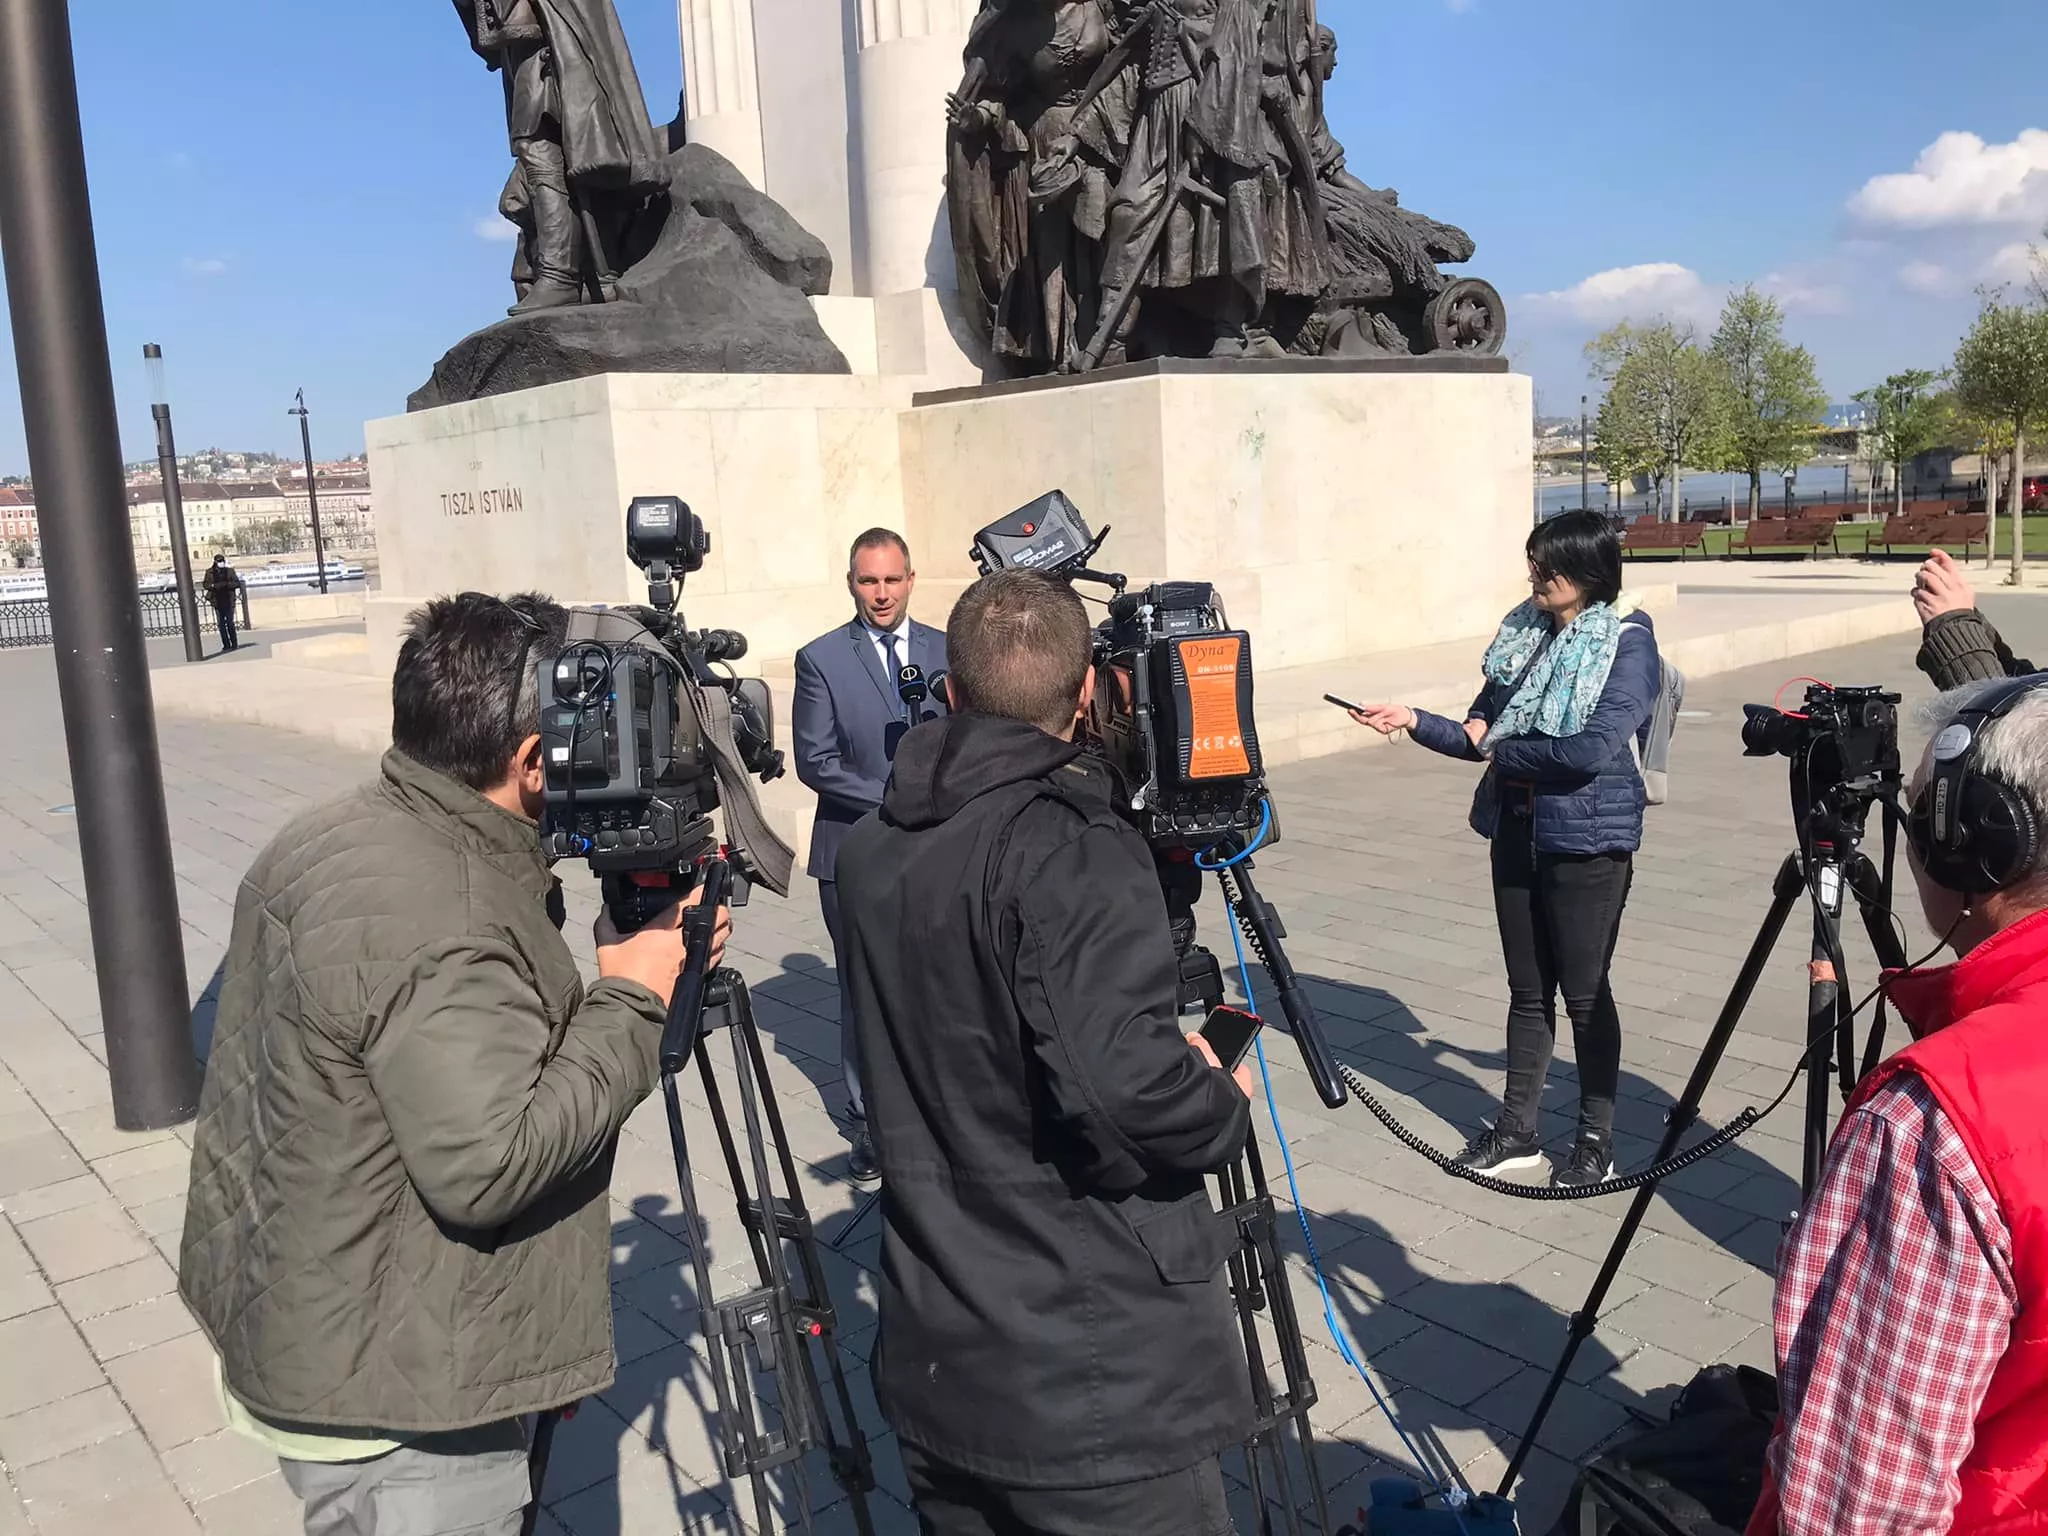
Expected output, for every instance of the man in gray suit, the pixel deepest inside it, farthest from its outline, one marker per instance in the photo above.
(848, 718)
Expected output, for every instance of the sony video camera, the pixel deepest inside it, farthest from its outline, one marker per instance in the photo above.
(643, 736)
(1172, 711)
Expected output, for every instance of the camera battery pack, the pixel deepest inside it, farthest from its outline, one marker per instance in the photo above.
(1209, 688)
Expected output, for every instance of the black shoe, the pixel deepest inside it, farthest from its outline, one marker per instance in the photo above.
(1591, 1161)
(1498, 1151)
(860, 1162)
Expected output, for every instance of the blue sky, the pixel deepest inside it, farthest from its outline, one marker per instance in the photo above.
(290, 195)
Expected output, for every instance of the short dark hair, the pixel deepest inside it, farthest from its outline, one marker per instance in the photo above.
(464, 694)
(875, 538)
(1018, 645)
(1584, 549)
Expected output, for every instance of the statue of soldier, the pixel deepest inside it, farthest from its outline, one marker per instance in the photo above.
(587, 162)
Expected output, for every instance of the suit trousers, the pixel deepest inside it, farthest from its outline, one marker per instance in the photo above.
(950, 1502)
(849, 1055)
(468, 1482)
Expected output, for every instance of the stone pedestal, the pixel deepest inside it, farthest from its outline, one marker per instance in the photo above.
(1341, 509)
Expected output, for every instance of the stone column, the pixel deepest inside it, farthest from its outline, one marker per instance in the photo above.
(721, 93)
(909, 59)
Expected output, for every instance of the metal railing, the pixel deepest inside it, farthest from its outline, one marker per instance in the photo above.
(26, 621)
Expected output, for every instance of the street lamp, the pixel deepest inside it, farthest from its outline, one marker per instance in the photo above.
(174, 502)
(312, 493)
(1584, 495)
(74, 451)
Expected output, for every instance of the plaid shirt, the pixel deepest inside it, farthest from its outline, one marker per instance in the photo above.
(1895, 1303)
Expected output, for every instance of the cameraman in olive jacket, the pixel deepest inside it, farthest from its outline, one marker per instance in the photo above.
(398, 1238)
(1058, 1350)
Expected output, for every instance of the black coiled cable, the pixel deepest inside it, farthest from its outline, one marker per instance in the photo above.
(1651, 1175)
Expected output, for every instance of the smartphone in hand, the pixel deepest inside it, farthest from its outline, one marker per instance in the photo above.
(1331, 698)
(1230, 1033)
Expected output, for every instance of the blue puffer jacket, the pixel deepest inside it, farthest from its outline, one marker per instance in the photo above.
(1586, 792)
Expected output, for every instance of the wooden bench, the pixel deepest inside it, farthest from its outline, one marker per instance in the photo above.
(1654, 535)
(1790, 535)
(1926, 530)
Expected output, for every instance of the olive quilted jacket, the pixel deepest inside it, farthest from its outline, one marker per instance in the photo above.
(398, 1216)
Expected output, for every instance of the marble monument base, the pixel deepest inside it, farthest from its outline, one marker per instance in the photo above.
(1341, 508)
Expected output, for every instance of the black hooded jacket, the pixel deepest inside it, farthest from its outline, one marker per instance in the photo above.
(1053, 1307)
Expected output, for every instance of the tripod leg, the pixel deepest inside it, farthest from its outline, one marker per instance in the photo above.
(1823, 1021)
(1873, 899)
(1785, 893)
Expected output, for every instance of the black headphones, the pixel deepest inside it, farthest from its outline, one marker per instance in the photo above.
(1971, 831)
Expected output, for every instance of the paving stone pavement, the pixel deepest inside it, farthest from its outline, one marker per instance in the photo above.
(1456, 1297)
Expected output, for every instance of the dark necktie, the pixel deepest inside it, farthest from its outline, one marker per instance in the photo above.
(895, 661)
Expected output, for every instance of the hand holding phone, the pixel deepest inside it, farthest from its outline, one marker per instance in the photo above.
(1229, 1033)
(1343, 704)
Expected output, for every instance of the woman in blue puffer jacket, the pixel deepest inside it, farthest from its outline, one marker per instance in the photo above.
(1571, 679)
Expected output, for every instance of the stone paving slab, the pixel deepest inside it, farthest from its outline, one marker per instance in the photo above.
(1457, 1298)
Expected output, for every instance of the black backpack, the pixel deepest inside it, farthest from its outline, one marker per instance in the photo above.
(1699, 1475)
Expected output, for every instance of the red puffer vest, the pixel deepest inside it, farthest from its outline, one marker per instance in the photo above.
(1981, 1028)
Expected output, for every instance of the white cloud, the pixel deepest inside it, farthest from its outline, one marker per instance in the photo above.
(1806, 292)
(496, 229)
(1959, 180)
(204, 266)
(2013, 263)
(1927, 277)
(1643, 292)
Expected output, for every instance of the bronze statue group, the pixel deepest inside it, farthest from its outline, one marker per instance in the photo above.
(1138, 178)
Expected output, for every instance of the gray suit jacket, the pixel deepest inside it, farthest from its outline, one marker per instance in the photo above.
(845, 725)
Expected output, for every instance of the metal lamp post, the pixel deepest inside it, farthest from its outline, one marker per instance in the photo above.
(174, 502)
(74, 449)
(312, 491)
(1585, 496)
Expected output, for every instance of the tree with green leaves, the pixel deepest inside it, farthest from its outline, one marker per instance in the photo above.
(22, 550)
(2001, 373)
(1666, 404)
(1991, 437)
(1775, 402)
(1904, 415)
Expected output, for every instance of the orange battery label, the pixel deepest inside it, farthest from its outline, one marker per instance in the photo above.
(1217, 734)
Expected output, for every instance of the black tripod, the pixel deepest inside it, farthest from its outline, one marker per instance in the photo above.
(1829, 862)
(764, 1343)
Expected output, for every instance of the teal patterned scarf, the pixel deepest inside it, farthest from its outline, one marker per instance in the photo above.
(1557, 680)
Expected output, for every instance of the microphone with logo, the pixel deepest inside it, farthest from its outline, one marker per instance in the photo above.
(913, 690)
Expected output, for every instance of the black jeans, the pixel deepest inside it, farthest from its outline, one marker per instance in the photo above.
(1559, 916)
(849, 1051)
(950, 1502)
(224, 619)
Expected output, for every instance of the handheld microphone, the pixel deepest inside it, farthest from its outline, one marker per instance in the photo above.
(912, 689)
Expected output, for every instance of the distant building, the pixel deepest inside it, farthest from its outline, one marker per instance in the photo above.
(248, 517)
(18, 522)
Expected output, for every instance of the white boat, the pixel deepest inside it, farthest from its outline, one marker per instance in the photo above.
(32, 586)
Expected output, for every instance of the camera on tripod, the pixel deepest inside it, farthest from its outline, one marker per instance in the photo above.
(1851, 734)
(1172, 711)
(1171, 715)
(643, 736)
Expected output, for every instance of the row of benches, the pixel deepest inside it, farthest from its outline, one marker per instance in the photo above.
(1807, 535)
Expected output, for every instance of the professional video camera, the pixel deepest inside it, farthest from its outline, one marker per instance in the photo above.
(1173, 687)
(1845, 738)
(642, 737)
(1172, 717)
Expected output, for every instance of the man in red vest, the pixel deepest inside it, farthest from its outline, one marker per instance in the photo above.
(1912, 1302)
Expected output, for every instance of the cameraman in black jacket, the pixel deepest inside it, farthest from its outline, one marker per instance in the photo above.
(1058, 1352)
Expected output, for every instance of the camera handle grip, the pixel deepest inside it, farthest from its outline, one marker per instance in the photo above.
(685, 1021)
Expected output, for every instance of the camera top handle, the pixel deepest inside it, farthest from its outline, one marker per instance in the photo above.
(685, 1022)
